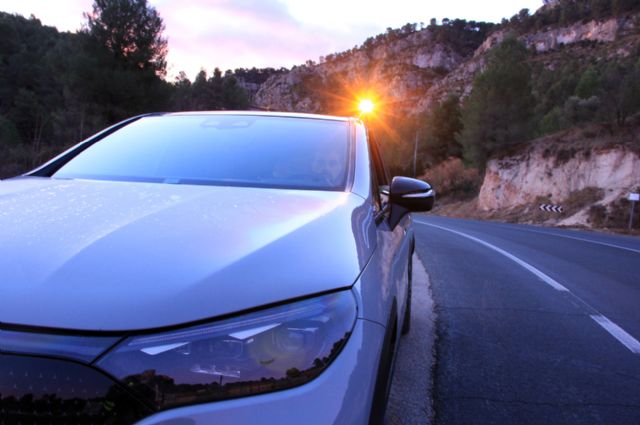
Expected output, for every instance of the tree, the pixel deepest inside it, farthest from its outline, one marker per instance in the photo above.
(132, 31)
(588, 84)
(498, 111)
(210, 93)
(442, 126)
(233, 95)
(620, 91)
(621, 6)
(600, 8)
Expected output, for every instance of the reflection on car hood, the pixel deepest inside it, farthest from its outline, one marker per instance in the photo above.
(104, 255)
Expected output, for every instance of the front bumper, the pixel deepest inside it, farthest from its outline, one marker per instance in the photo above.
(342, 394)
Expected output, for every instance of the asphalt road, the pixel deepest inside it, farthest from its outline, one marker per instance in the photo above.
(410, 400)
(534, 325)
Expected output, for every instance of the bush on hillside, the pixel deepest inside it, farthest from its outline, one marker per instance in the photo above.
(452, 180)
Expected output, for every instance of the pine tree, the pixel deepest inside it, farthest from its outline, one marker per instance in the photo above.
(498, 111)
(131, 30)
(443, 126)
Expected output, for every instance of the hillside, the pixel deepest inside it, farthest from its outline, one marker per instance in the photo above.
(398, 67)
(459, 99)
(576, 136)
(416, 68)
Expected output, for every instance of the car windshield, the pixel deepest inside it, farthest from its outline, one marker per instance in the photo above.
(230, 150)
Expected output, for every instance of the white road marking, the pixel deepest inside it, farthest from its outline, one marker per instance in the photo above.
(618, 333)
(637, 251)
(545, 278)
(613, 329)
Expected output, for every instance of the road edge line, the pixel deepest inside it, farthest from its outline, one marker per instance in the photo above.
(618, 333)
(542, 276)
(612, 328)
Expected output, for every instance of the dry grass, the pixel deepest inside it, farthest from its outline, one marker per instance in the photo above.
(614, 216)
(581, 199)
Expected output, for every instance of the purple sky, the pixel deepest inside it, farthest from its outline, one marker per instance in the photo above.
(245, 33)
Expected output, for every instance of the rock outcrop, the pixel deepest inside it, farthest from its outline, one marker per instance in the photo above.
(401, 70)
(519, 180)
(605, 31)
(417, 70)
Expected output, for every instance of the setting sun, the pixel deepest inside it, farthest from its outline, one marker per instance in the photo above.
(366, 106)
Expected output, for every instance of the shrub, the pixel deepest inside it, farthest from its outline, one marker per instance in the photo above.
(451, 179)
(597, 215)
(565, 155)
(580, 199)
(613, 216)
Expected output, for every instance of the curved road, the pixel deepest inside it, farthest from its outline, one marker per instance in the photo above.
(535, 325)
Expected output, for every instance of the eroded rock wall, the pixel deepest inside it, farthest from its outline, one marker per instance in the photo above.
(519, 180)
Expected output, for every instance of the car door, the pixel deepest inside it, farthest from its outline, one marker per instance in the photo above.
(394, 243)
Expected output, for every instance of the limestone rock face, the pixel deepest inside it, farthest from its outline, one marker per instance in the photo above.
(417, 70)
(439, 57)
(403, 70)
(520, 180)
(605, 31)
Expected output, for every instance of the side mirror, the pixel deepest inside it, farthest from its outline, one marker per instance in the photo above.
(406, 195)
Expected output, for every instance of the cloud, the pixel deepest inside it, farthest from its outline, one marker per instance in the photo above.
(65, 15)
(244, 33)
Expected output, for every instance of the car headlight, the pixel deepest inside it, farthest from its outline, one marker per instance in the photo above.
(264, 351)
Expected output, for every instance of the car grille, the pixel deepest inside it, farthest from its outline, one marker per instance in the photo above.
(35, 391)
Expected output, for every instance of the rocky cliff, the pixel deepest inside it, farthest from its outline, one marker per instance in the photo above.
(399, 70)
(604, 31)
(416, 70)
(522, 179)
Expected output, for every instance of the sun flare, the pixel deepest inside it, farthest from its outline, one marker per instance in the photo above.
(366, 106)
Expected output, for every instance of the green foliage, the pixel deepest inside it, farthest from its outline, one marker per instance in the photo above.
(568, 12)
(9, 136)
(257, 75)
(619, 7)
(209, 93)
(498, 111)
(551, 87)
(620, 90)
(58, 88)
(462, 35)
(233, 96)
(614, 215)
(588, 84)
(552, 121)
(605, 92)
(441, 127)
(131, 30)
(600, 8)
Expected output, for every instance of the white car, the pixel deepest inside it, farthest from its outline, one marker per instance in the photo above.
(206, 268)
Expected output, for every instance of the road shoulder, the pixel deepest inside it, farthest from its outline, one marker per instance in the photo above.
(411, 401)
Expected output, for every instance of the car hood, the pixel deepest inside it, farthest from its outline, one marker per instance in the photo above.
(109, 256)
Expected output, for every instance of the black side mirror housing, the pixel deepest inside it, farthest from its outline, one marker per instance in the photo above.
(407, 195)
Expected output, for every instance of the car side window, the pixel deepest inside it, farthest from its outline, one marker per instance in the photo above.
(379, 176)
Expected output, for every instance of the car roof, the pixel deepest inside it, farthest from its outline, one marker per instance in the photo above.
(267, 114)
